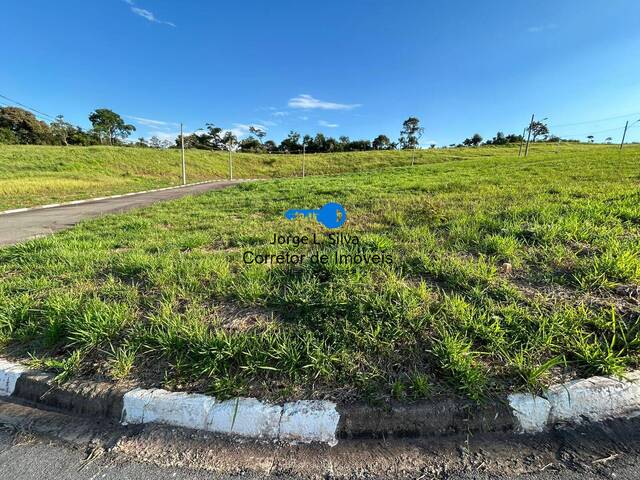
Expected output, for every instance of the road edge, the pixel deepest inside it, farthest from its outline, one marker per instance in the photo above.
(97, 199)
(593, 399)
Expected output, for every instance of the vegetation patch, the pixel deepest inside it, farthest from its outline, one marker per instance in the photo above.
(507, 273)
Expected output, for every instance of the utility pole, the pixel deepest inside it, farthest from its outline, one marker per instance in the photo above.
(230, 164)
(304, 156)
(524, 130)
(184, 165)
(526, 150)
(626, 125)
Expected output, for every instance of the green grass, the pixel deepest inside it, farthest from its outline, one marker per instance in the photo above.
(36, 175)
(161, 296)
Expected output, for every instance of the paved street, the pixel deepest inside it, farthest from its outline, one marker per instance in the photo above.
(20, 226)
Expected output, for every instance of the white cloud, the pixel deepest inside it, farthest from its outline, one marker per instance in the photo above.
(304, 117)
(147, 122)
(170, 136)
(146, 14)
(323, 123)
(542, 28)
(242, 129)
(268, 123)
(280, 114)
(308, 102)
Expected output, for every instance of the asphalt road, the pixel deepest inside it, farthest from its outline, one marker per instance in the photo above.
(21, 226)
(39, 444)
(27, 457)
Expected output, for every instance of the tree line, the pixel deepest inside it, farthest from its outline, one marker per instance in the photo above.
(19, 126)
(216, 138)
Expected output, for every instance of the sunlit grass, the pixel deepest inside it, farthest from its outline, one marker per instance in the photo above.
(165, 288)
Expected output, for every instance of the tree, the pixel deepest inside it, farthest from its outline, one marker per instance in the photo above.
(476, 139)
(291, 144)
(108, 124)
(410, 133)
(258, 132)
(270, 146)
(154, 142)
(24, 126)
(499, 139)
(590, 137)
(213, 138)
(142, 143)
(608, 140)
(61, 130)
(359, 145)
(7, 137)
(230, 141)
(79, 137)
(513, 138)
(250, 144)
(331, 145)
(538, 128)
(381, 142)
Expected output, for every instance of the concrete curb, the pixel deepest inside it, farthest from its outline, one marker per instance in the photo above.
(593, 399)
(97, 199)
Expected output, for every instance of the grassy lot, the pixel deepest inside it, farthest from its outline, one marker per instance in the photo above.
(162, 296)
(36, 175)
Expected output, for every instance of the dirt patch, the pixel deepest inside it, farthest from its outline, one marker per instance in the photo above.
(590, 451)
(235, 318)
(625, 300)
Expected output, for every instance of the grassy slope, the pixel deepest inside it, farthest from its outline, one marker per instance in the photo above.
(36, 175)
(164, 291)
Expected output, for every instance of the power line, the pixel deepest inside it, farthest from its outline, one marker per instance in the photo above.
(595, 121)
(27, 107)
(617, 129)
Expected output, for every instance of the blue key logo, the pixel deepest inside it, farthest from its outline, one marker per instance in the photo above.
(331, 215)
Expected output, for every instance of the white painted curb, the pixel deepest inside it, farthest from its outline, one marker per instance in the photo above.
(303, 421)
(593, 399)
(9, 374)
(309, 421)
(530, 411)
(97, 199)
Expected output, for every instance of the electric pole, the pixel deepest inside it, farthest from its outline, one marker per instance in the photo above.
(184, 166)
(524, 130)
(626, 125)
(304, 156)
(526, 150)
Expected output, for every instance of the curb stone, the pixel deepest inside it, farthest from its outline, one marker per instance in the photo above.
(97, 199)
(593, 399)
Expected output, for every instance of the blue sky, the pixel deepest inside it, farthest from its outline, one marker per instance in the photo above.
(349, 67)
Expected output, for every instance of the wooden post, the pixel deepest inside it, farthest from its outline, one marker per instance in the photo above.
(184, 165)
(524, 130)
(304, 157)
(526, 150)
